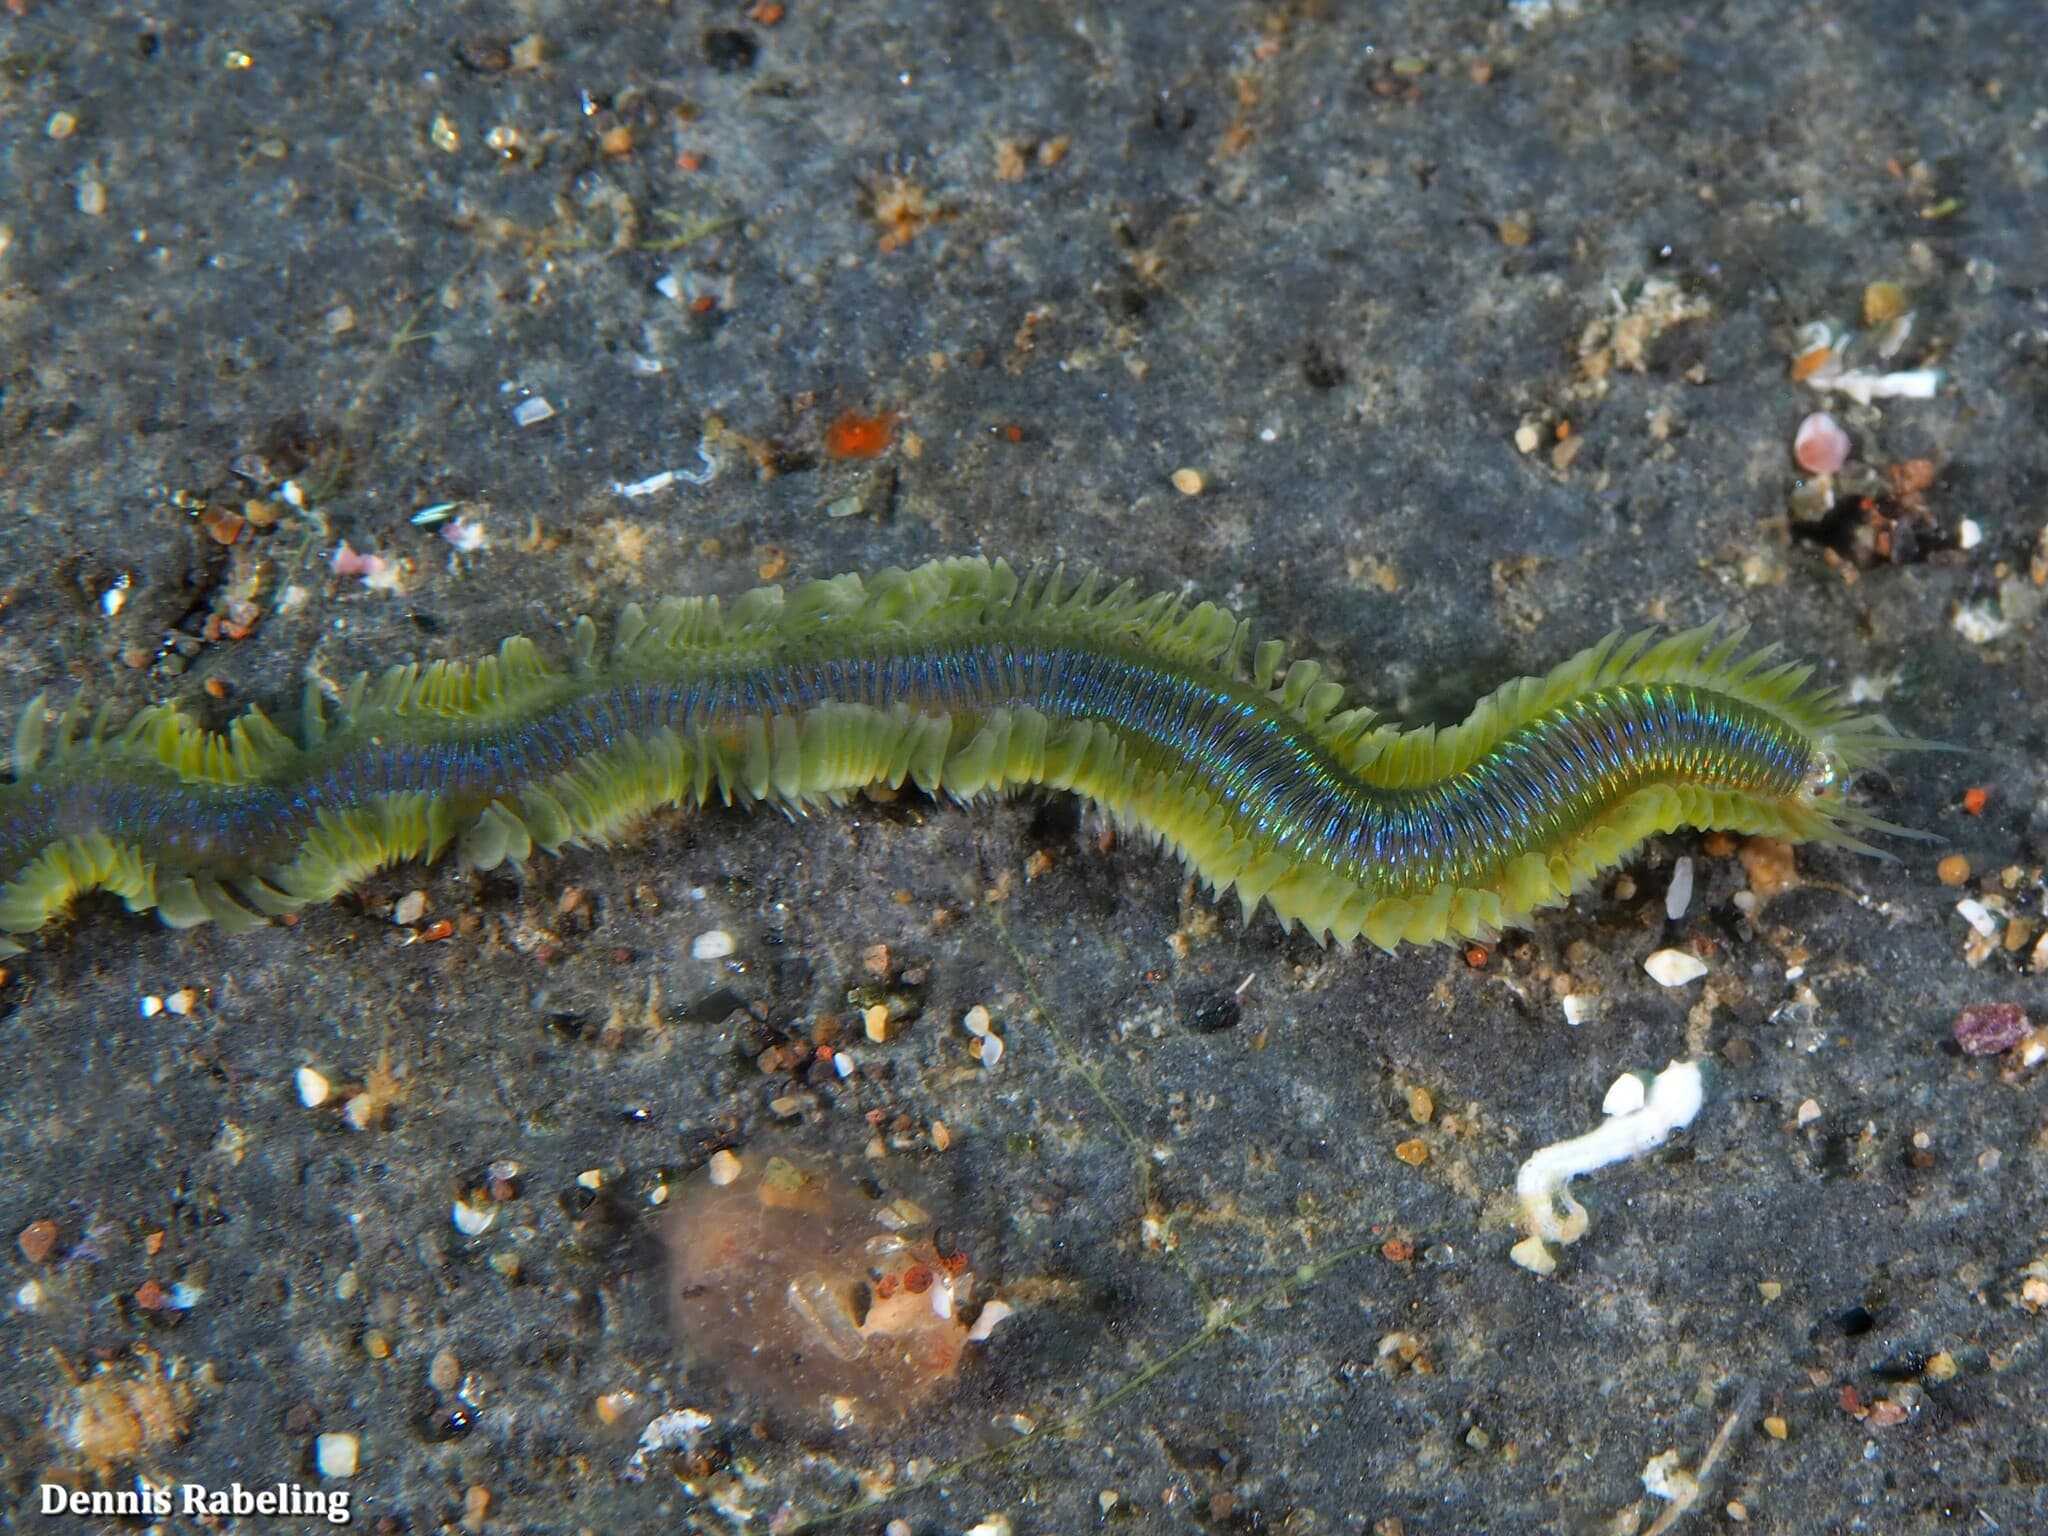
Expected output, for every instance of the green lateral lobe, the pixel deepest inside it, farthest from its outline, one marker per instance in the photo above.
(963, 679)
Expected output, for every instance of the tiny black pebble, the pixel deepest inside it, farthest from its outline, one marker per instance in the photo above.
(729, 50)
(1320, 367)
(1207, 1010)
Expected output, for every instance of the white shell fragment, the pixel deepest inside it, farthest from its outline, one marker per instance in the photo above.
(1665, 1477)
(677, 1429)
(1625, 1095)
(1542, 1185)
(713, 945)
(992, 1312)
(313, 1087)
(1679, 896)
(1674, 967)
(1978, 916)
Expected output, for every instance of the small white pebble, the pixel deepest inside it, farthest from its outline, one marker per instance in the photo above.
(713, 945)
(152, 1005)
(897, 1528)
(1979, 623)
(1978, 916)
(181, 1002)
(843, 1062)
(994, 1525)
(409, 908)
(991, 1050)
(1625, 1095)
(1679, 896)
(1674, 967)
(313, 1087)
(471, 1220)
(61, 125)
(991, 1313)
(92, 199)
(1189, 482)
(1808, 1111)
(591, 1178)
(976, 1021)
(1969, 533)
(533, 411)
(360, 1112)
(115, 598)
(1579, 1007)
(724, 1168)
(1528, 440)
(30, 1296)
(337, 1455)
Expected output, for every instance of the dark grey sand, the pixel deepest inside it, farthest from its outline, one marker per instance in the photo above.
(1332, 258)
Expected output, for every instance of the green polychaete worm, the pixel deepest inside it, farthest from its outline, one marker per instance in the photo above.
(964, 679)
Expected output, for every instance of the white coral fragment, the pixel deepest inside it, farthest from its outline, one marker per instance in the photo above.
(1549, 1213)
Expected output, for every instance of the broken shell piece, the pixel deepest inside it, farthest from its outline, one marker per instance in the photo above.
(1625, 1095)
(1674, 967)
(1678, 896)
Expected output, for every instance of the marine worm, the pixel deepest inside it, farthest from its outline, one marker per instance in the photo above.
(963, 679)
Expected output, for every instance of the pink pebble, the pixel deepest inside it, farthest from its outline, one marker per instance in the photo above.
(1820, 445)
(1990, 1029)
(351, 562)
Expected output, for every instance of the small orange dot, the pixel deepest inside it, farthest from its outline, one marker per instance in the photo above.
(1476, 957)
(1953, 870)
(703, 304)
(917, 1279)
(1975, 799)
(854, 436)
